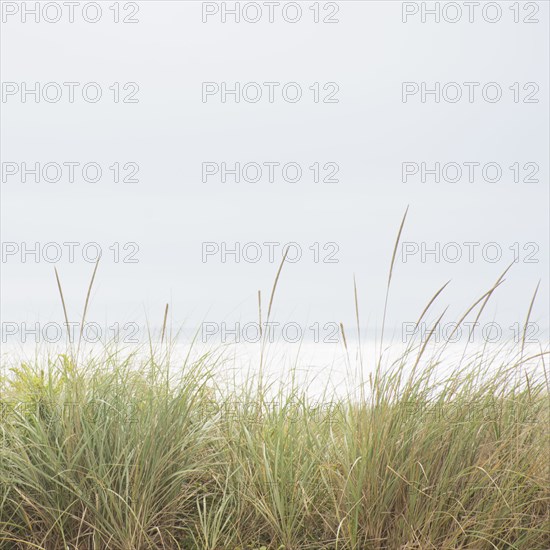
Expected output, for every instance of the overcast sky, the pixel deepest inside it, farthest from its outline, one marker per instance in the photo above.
(483, 116)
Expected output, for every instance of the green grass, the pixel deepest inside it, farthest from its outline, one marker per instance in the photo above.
(134, 453)
(143, 452)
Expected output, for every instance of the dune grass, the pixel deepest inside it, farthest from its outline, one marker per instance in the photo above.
(124, 454)
(141, 451)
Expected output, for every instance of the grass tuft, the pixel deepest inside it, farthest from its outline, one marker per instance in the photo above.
(124, 454)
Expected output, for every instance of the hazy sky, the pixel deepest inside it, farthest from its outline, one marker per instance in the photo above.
(348, 101)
